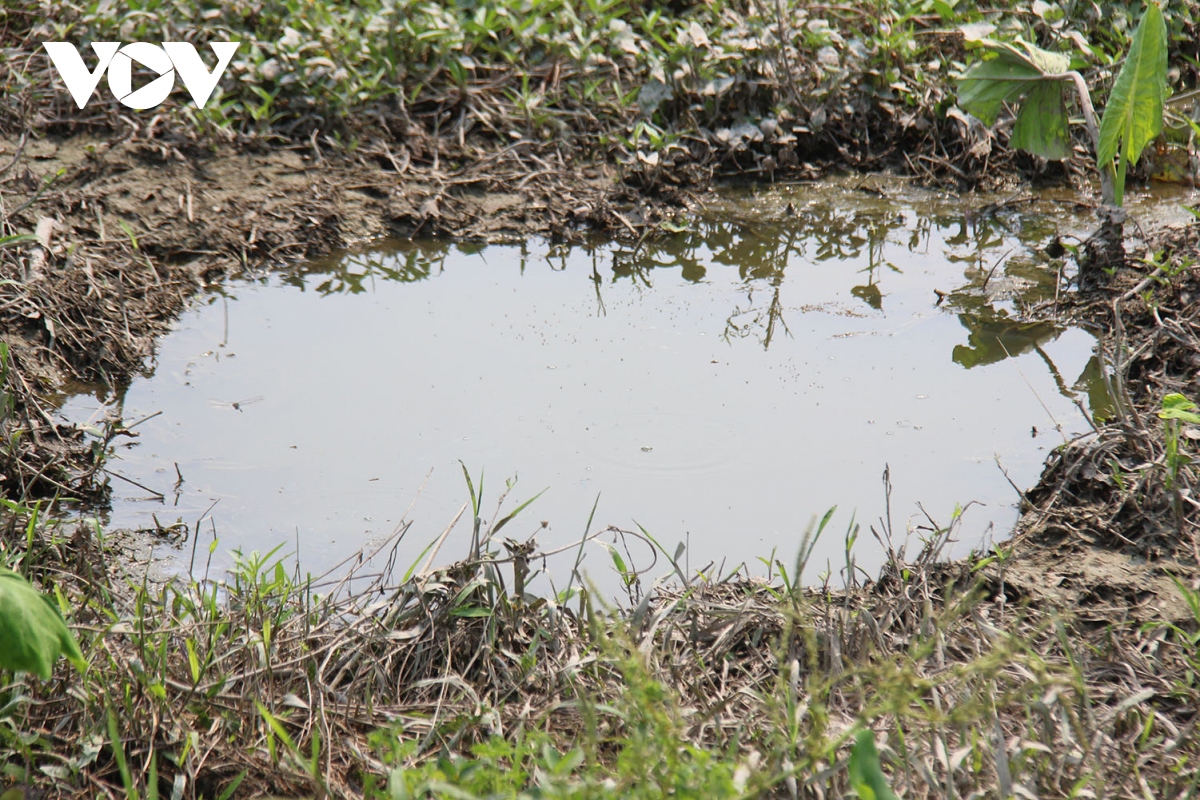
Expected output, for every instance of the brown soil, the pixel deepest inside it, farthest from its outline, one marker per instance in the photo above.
(1105, 536)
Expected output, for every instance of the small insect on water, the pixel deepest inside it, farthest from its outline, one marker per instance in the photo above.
(236, 405)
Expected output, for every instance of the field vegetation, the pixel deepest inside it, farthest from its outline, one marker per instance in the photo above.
(1063, 663)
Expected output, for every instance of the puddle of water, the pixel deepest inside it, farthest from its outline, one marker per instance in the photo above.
(720, 388)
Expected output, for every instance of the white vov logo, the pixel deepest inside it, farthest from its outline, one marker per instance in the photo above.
(172, 57)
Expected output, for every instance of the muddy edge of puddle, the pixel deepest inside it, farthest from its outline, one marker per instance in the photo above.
(135, 228)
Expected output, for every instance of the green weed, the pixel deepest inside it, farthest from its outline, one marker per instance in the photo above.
(1020, 72)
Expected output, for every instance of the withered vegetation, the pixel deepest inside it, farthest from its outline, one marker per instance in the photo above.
(1063, 663)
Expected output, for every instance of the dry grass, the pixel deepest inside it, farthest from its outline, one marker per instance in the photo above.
(980, 678)
(288, 684)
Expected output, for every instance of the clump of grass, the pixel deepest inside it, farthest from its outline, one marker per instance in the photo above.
(447, 682)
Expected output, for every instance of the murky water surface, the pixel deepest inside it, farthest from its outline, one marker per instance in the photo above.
(719, 388)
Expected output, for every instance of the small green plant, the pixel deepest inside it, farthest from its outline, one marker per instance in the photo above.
(1036, 79)
(1176, 410)
(308, 764)
(1163, 268)
(866, 775)
(7, 399)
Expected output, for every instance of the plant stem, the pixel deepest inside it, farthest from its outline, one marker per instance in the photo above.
(1107, 173)
(1107, 186)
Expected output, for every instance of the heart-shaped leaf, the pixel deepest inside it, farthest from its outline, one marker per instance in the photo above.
(32, 632)
(1007, 77)
(1041, 126)
(1134, 114)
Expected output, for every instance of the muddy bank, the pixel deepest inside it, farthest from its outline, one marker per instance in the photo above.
(1112, 531)
(128, 229)
(1071, 608)
(123, 231)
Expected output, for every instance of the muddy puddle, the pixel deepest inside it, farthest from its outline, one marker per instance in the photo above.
(720, 388)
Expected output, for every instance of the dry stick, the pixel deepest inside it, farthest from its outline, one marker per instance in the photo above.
(147, 419)
(1004, 472)
(1142, 285)
(400, 167)
(39, 475)
(1119, 327)
(992, 271)
(31, 400)
(1086, 416)
(941, 163)
(441, 539)
(16, 155)
(159, 495)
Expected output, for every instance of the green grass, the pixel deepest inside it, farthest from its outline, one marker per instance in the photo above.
(451, 683)
(300, 687)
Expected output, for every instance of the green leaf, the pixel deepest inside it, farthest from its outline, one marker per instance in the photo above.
(866, 776)
(476, 500)
(1134, 114)
(1042, 123)
(1043, 60)
(945, 10)
(1006, 78)
(32, 632)
(471, 612)
(989, 84)
(516, 511)
(6, 241)
(193, 660)
(1176, 406)
(233, 786)
(618, 562)
(114, 736)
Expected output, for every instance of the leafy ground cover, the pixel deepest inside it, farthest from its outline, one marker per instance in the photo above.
(675, 93)
(1062, 664)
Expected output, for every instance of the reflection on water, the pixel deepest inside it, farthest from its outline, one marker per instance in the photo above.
(719, 385)
(994, 336)
(761, 250)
